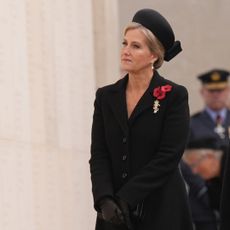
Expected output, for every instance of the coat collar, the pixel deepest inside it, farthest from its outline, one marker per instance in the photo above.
(117, 100)
(207, 119)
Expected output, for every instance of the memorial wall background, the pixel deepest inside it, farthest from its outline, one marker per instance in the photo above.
(47, 82)
(54, 54)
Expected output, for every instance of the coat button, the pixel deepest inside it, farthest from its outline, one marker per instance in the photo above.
(124, 140)
(124, 157)
(124, 175)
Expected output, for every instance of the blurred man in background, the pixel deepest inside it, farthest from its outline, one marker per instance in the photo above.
(214, 120)
(203, 216)
(205, 160)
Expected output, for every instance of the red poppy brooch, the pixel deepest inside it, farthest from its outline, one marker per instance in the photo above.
(159, 93)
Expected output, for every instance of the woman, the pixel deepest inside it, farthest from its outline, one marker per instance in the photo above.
(139, 131)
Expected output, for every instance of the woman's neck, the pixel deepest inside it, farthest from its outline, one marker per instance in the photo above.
(139, 81)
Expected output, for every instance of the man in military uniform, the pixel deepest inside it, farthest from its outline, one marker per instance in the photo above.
(214, 120)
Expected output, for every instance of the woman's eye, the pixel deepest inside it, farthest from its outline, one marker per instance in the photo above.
(136, 46)
(124, 43)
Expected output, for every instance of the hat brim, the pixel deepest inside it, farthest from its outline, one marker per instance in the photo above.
(216, 86)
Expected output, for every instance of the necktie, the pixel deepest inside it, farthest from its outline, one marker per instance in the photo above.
(218, 119)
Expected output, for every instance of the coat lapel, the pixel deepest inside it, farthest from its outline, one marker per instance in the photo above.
(147, 99)
(117, 102)
(207, 120)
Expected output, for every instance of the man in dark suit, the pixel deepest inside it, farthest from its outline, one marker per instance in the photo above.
(214, 120)
(206, 162)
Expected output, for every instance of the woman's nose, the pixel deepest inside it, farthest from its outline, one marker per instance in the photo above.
(126, 50)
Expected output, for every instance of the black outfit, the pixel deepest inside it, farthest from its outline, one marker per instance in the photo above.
(136, 158)
(225, 195)
(203, 215)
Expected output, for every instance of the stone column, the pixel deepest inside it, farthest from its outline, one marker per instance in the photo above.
(107, 43)
(46, 95)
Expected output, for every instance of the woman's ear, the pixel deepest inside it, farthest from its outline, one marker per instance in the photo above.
(154, 58)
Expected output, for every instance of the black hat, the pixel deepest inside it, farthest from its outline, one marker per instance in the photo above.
(203, 143)
(214, 79)
(160, 27)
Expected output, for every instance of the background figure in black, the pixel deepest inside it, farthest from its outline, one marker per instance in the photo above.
(214, 120)
(225, 196)
(206, 159)
(203, 216)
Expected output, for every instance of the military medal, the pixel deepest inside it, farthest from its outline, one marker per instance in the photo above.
(156, 106)
(220, 130)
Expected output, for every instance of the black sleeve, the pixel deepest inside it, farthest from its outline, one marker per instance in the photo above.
(100, 166)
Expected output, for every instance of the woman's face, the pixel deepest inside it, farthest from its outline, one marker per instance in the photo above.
(136, 56)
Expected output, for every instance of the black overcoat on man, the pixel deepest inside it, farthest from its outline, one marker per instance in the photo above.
(136, 158)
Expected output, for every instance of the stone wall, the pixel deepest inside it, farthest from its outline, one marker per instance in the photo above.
(47, 83)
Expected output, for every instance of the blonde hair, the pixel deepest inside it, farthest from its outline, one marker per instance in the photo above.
(154, 45)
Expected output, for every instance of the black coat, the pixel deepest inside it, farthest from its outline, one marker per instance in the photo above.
(137, 159)
(225, 195)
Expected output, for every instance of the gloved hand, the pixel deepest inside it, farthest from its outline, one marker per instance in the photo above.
(111, 212)
(126, 212)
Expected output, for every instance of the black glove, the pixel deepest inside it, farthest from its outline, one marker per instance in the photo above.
(126, 213)
(111, 212)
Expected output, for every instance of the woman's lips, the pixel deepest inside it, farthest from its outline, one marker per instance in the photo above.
(126, 60)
